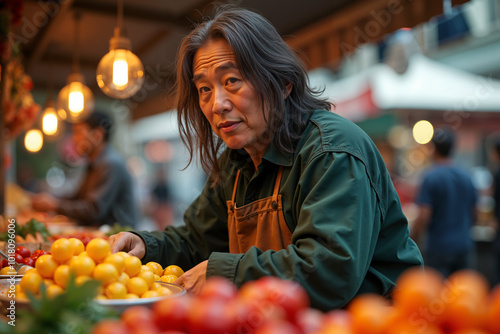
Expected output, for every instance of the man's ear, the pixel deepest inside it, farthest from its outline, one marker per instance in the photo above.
(289, 87)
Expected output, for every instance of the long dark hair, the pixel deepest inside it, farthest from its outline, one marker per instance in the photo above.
(267, 62)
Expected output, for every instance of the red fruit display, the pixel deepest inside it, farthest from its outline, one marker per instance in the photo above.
(173, 314)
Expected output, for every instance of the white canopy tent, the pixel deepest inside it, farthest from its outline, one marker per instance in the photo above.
(426, 84)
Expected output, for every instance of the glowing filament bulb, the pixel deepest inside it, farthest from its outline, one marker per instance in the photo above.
(120, 69)
(33, 141)
(49, 122)
(75, 102)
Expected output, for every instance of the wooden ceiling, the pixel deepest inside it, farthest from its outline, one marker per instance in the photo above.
(323, 31)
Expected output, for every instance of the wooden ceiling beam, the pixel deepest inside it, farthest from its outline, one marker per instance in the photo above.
(327, 41)
(42, 39)
(132, 12)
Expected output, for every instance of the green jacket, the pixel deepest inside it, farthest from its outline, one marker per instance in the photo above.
(349, 233)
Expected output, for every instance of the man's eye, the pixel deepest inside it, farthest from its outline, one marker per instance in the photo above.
(231, 81)
(203, 89)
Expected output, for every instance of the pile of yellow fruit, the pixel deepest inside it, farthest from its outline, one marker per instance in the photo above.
(122, 276)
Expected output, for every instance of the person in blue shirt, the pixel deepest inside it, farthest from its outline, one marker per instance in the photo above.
(447, 200)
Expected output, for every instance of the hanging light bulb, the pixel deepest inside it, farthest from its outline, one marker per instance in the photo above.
(75, 100)
(33, 140)
(50, 123)
(120, 73)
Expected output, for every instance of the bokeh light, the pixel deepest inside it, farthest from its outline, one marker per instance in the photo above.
(33, 141)
(423, 132)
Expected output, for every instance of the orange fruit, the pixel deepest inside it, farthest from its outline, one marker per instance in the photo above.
(7, 271)
(31, 282)
(123, 278)
(369, 313)
(465, 297)
(82, 279)
(146, 268)
(61, 275)
(137, 286)
(46, 265)
(133, 266)
(131, 296)
(62, 250)
(82, 266)
(147, 276)
(106, 273)
(115, 290)
(168, 278)
(163, 291)
(98, 249)
(54, 290)
(78, 246)
(416, 290)
(173, 270)
(150, 294)
(156, 267)
(493, 311)
(123, 254)
(117, 261)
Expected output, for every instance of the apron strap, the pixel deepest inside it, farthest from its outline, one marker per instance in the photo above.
(275, 191)
(234, 187)
(277, 187)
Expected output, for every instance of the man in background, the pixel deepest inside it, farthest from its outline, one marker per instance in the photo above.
(106, 193)
(447, 201)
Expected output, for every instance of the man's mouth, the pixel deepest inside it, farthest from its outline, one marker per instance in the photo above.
(228, 126)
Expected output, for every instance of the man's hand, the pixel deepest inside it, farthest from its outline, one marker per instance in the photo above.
(194, 280)
(127, 242)
(44, 202)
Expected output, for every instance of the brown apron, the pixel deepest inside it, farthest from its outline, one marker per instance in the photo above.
(260, 223)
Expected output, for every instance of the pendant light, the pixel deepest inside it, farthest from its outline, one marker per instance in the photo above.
(75, 100)
(51, 126)
(120, 73)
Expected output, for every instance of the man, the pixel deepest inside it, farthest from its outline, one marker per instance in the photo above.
(447, 200)
(296, 192)
(105, 195)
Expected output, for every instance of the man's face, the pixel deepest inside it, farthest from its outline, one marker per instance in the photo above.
(85, 139)
(228, 101)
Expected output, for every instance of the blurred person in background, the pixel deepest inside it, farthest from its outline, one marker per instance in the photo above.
(161, 208)
(495, 156)
(295, 191)
(105, 195)
(447, 210)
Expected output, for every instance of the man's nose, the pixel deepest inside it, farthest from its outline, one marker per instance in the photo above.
(221, 101)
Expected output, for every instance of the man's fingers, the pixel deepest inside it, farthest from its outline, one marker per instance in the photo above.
(118, 242)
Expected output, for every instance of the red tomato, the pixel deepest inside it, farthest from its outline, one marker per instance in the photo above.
(110, 327)
(278, 327)
(29, 261)
(18, 258)
(172, 314)
(23, 251)
(137, 316)
(211, 316)
(218, 288)
(252, 314)
(37, 253)
(289, 295)
(309, 320)
(5, 263)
